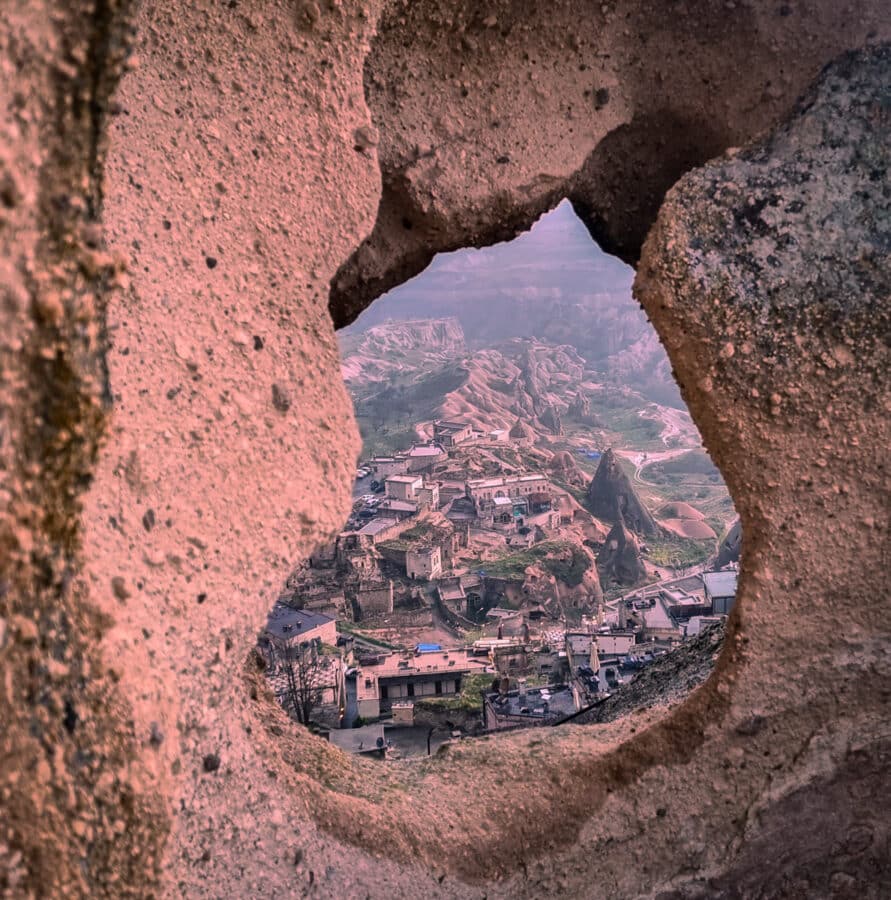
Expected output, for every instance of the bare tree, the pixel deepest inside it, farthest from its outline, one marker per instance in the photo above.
(304, 669)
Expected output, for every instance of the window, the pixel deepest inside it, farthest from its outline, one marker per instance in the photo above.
(411, 690)
(385, 692)
(438, 687)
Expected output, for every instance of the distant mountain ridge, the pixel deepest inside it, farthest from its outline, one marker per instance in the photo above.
(387, 349)
(553, 284)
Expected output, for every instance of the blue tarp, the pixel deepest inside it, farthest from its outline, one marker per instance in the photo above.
(428, 648)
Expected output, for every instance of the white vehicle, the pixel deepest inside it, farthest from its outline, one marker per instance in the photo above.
(367, 498)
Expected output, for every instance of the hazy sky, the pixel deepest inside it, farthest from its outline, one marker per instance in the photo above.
(555, 259)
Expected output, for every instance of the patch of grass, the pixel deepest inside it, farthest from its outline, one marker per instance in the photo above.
(695, 467)
(350, 628)
(548, 554)
(678, 552)
(395, 544)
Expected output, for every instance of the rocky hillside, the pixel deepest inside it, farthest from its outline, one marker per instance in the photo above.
(731, 545)
(612, 497)
(666, 681)
(385, 351)
(619, 560)
(421, 370)
(552, 283)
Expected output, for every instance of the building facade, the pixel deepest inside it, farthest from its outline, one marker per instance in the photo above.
(403, 487)
(450, 434)
(483, 491)
(720, 591)
(423, 562)
(384, 466)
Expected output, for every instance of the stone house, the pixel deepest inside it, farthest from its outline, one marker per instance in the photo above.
(295, 626)
(385, 466)
(450, 434)
(403, 487)
(423, 457)
(427, 496)
(484, 491)
(424, 562)
(375, 597)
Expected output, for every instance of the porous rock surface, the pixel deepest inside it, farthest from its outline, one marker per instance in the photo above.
(175, 437)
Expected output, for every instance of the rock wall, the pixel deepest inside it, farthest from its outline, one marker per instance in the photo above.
(175, 437)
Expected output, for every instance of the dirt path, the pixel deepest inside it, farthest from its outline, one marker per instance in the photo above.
(640, 459)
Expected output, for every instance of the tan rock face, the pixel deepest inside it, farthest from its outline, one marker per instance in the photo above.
(244, 169)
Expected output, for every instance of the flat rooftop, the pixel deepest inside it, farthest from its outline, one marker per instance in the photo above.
(720, 584)
(399, 505)
(358, 740)
(404, 479)
(426, 450)
(376, 526)
(285, 622)
(504, 479)
(399, 665)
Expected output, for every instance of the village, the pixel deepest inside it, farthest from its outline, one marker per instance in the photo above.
(482, 583)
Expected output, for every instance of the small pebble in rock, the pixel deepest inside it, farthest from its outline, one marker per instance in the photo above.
(281, 399)
(119, 587)
(365, 137)
(211, 262)
(211, 762)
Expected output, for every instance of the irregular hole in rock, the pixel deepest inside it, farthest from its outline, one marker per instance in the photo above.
(537, 531)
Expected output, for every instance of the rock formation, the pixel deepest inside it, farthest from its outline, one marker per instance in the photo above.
(566, 470)
(580, 410)
(550, 419)
(685, 521)
(612, 497)
(521, 432)
(731, 545)
(619, 559)
(259, 151)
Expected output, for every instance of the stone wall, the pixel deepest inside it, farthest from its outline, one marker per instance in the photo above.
(169, 363)
(375, 597)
